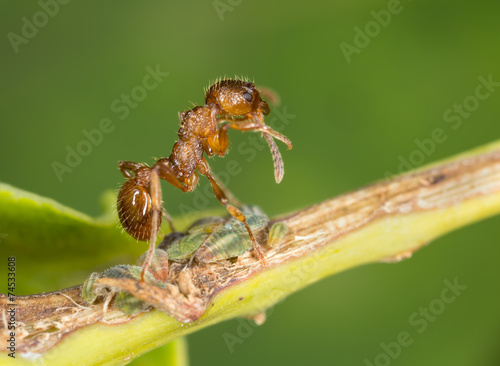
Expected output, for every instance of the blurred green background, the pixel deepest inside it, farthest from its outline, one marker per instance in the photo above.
(357, 113)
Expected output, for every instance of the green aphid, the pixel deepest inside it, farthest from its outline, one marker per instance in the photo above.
(123, 301)
(225, 243)
(128, 303)
(88, 293)
(157, 273)
(119, 271)
(184, 247)
(213, 239)
(277, 234)
(134, 272)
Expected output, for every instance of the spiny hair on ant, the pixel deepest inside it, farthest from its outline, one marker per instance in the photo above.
(243, 78)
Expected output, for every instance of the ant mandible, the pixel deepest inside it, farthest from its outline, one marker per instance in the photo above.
(229, 103)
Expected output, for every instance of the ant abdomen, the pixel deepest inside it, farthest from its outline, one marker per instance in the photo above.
(135, 210)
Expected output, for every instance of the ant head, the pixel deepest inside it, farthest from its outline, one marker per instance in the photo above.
(235, 97)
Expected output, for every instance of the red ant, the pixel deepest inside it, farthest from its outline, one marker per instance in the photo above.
(229, 103)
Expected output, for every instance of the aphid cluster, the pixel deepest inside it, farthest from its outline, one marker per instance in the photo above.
(213, 239)
(123, 301)
(234, 104)
(208, 240)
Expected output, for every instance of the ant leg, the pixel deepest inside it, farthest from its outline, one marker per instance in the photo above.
(279, 169)
(126, 167)
(162, 169)
(165, 171)
(207, 148)
(156, 208)
(249, 124)
(204, 169)
(217, 143)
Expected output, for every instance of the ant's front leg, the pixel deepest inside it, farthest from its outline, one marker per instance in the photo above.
(204, 169)
(250, 123)
(207, 146)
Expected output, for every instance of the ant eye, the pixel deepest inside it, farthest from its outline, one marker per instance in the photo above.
(247, 96)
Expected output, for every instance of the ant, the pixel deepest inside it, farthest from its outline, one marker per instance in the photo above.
(229, 103)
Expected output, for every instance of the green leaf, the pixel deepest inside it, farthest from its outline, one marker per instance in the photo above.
(56, 246)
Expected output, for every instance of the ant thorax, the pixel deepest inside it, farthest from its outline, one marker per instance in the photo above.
(197, 122)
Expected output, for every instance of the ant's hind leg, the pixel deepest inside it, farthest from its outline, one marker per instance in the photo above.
(164, 170)
(204, 169)
(156, 204)
(126, 167)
